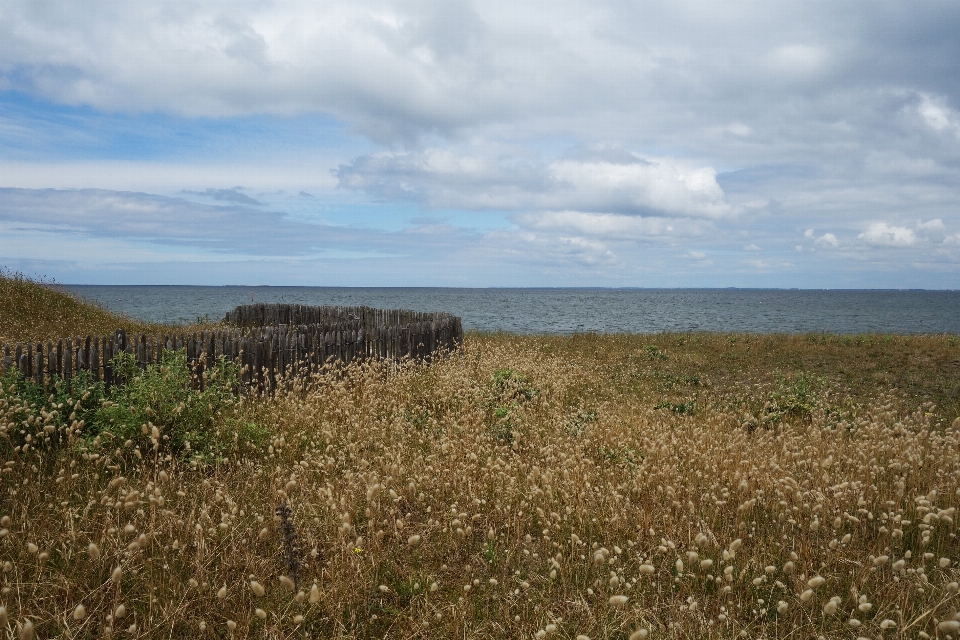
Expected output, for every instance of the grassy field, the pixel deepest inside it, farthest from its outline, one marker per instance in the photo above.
(683, 486)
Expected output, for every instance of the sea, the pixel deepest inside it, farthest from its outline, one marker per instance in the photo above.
(574, 310)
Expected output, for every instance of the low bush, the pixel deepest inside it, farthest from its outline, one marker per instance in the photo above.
(155, 412)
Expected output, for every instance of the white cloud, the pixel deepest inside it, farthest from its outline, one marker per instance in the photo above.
(828, 238)
(937, 116)
(128, 175)
(798, 60)
(880, 234)
(739, 129)
(440, 178)
(178, 224)
(808, 233)
(611, 226)
(931, 225)
(697, 255)
(653, 185)
(751, 247)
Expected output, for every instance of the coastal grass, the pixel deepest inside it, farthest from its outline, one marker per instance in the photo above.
(625, 486)
(32, 310)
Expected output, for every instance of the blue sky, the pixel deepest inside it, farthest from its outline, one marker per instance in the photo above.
(448, 143)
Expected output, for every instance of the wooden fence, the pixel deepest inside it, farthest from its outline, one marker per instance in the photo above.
(265, 353)
(368, 318)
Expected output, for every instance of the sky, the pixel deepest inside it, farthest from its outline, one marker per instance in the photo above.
(475, 144)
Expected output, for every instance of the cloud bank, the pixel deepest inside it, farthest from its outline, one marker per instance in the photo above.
(595, 142)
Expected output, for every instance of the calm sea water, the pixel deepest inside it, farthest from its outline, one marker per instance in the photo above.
(577, 310)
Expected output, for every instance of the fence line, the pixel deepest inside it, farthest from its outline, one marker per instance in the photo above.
(265, 353)
(262, 314)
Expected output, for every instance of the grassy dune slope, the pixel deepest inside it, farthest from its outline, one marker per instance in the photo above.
(688, 486)
(30, 310)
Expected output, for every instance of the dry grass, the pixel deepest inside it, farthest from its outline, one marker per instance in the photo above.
(31, 310)
(526, 487)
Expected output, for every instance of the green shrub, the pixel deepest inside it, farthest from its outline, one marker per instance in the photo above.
(681, 408)
(654, 353)
(154, 412)
(201, 426)
(39, 417)
(509, 390)
(795, 398)
(508, 384)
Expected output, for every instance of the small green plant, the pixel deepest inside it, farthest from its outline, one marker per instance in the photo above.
(503, 426)
(654, 353)
(509, 390)
(492, 554)
(577, 425)
(620, 455)
(510, 384)
(796, 398)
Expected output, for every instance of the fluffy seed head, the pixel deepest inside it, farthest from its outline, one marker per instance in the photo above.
(287, 583)
(830, 607)
(618, 601)
(257, 589)
(80, 612)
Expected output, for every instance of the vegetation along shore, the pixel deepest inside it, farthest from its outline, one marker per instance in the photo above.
(622, 486)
